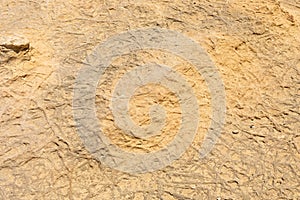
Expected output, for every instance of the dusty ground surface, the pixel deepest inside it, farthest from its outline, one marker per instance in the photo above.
(255, 45)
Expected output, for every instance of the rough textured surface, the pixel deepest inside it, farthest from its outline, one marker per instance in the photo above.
(255, 45)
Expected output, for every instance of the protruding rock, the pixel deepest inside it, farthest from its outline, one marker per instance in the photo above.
(14, 42)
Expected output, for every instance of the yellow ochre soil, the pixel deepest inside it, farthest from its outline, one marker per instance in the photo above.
(255, 46)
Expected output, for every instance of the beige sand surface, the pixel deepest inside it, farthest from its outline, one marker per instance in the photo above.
(254, 44)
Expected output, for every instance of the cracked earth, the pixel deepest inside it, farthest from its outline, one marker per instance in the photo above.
(255, 46)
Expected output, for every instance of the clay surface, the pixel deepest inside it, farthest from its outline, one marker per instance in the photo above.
(255, 46)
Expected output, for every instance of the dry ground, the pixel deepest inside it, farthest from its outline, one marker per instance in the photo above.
(255, 45)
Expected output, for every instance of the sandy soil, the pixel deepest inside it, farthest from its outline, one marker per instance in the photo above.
(254, 44)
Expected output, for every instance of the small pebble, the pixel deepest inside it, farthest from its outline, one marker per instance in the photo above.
(235, 132)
